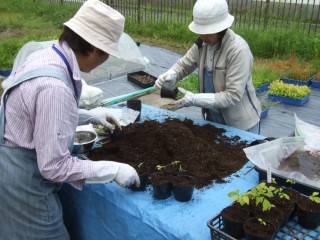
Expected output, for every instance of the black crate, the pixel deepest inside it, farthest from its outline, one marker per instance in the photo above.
(300, 187)
(291, 231)
(133, 77)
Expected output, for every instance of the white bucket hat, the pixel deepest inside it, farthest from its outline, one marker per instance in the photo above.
(98, 24)
(210, 16)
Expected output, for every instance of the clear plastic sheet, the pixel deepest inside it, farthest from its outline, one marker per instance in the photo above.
(286, 157)
(131, 60)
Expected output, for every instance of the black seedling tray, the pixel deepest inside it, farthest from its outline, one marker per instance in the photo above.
(300, 187)
(147, 81)
(291, 231)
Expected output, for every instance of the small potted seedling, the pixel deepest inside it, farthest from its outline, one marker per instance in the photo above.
(262, 195)
(258, 228)
(183, 185)
(161, 182)
(282, 201)
(142, 171)
(309, 211)
(258, 198)
(293, 194)
(233, 216)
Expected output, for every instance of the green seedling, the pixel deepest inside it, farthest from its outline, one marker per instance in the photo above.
(261, 193)
(160, 167)
(261, 221)
(242, 199)
(175, 162)
(291, 182)
(315, 197)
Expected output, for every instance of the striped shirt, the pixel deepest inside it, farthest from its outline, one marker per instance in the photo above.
(42, 114)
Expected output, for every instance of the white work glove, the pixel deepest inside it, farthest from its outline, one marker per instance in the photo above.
(107, 171)
(99, 116)
(168, 76)
(203, 100)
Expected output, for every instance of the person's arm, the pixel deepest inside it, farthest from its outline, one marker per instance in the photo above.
(55, 124)
(56, 119)
(183, 67)
(188, 63)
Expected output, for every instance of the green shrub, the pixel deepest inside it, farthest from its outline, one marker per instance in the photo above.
(262, 74)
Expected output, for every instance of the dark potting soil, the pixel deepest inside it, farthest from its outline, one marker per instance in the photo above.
(203, 151)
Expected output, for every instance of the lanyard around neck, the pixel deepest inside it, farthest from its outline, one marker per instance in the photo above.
(69, 69)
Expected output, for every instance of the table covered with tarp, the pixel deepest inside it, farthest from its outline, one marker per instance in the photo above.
(108, 211)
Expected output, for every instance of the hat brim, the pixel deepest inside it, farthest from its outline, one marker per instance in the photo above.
(202, 29)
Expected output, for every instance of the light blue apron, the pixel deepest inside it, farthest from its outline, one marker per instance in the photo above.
(30, 207)
(213, 115)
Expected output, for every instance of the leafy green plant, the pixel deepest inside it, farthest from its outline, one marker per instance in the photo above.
(242, 199)
(280, 88)
(315, 197)
(260, 195)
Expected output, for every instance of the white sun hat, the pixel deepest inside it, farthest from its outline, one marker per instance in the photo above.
(98, 24)
(210, 16)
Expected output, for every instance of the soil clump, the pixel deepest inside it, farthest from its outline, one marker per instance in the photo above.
(203, 151)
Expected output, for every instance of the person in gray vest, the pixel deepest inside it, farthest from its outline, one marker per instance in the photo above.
(224, 62)
(38, 119)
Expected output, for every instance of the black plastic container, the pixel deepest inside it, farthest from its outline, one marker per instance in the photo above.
(142, 79)
(168, 90)
(135, 104)
(144, 180)
(161, 184)
(300, 187)
(183, 186)
(116, 135)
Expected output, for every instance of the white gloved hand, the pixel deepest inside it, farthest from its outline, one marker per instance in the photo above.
(99, 116)
(168, 76)
(107, 171)
(204, 100)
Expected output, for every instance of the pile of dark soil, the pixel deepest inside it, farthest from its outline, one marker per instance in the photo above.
(203, 151)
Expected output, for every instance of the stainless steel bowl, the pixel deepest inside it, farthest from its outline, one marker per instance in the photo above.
(83, 142)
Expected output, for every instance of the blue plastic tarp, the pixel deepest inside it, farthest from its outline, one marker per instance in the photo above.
(107, 211)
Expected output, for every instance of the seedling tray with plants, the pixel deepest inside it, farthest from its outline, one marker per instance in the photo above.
(288, 100)
(291, 231)
(288, 93)
(268, 203)
(142, 79)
